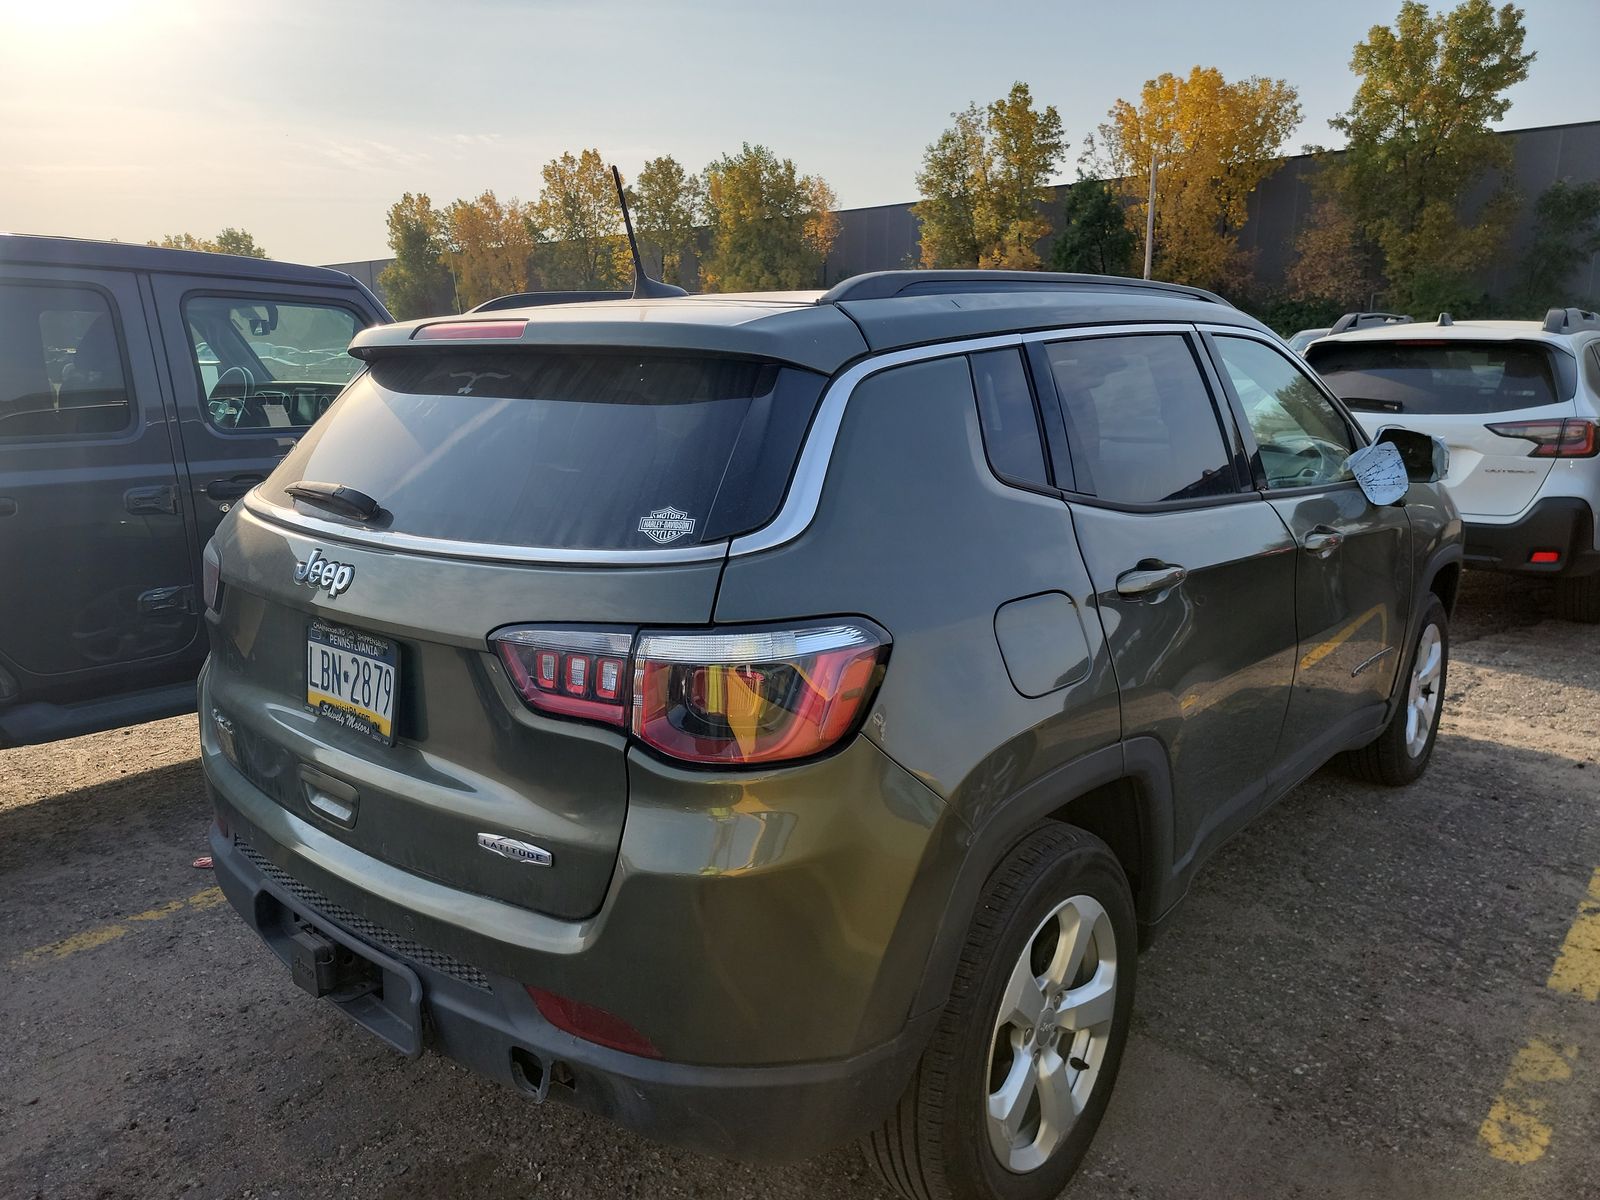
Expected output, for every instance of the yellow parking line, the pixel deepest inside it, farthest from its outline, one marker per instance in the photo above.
(1577, 969)
(90, 939)
(1515, 1131)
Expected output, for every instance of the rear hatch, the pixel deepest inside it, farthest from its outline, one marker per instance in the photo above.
(591, 489)
(1458, 389)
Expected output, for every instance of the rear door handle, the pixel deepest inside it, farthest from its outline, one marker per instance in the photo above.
(1143, 580)
(1322, 541)
(232, 489)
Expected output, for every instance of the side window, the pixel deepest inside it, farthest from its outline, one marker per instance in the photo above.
(1303, 439)
(268, 364)
(1006, 413)
(1140, 420)
(60, 363)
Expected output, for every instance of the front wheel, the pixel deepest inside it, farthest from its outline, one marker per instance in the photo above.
(1011, 1088)
(1399, 755)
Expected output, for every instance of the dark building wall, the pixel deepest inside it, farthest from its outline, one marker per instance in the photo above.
(885, 237)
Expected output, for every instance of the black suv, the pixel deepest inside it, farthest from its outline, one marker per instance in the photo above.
(774, 720)
(142, 392)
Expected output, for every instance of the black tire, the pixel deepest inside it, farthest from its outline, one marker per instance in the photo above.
(936, 1145)
(1579, 599)
(1387, 759)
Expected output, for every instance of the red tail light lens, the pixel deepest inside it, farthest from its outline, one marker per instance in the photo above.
(568, 672)
(758, 696)
(591, 1024)
(1570, 438)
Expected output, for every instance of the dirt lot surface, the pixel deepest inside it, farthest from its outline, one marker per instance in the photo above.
(1369, 993)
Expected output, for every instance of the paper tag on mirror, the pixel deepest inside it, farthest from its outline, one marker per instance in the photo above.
(1381, 472)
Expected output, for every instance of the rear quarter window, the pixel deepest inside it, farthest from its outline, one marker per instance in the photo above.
(1439, 377)
(581, 451)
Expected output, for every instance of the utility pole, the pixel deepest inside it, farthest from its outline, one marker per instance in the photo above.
(1150, 218)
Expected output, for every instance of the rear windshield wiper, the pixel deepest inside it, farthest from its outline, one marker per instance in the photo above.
(1364, 405)
(336, 497)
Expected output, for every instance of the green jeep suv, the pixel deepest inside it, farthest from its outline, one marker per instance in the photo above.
(774, 720)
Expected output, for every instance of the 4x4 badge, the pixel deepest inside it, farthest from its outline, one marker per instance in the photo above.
(666, 525)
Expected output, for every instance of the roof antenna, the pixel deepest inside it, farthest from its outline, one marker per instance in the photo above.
(644, 288)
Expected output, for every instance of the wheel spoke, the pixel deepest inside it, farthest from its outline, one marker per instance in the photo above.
(1059, 1103)
(1022, 1004)
(1428, 670)
(1092, 1004)
(1009, 1103)
(1411, 724)
(1077, 928)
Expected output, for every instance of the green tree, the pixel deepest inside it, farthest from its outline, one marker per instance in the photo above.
(1419, 136)
(490, 247)
(237, 241)
(229, 241)
(983, 184)
(1213, 143)
(1095, 236)
(771, 227)
(577, 218)
(665, 200)
(1566, 233)
(417, 283)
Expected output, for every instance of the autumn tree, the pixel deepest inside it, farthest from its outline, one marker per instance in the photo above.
(1213, 143)
(417, 283)
(983, 182)
(577, 218)
(1566, 233)
(665, 201)
(490, 244)
(771, 227)
(1419, 137)
(229, 241)
(1095, 236)
(1333, 262)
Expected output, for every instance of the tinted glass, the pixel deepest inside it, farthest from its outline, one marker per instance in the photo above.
(1302, 438)
(60, 363)
(1140, 419)
(576, 451)
(1006, 412)
(1437, 377)
(267, 364)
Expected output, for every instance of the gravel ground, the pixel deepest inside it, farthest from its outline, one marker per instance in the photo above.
(1355, 983)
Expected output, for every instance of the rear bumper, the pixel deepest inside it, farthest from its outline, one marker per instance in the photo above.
(1564, 524)
(489, 1024)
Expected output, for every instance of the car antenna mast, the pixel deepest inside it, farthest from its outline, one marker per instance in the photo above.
(644, 288)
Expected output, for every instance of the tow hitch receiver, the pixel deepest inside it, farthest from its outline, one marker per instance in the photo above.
(322, 967)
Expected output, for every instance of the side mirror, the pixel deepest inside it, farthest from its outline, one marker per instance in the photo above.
(1427, 458)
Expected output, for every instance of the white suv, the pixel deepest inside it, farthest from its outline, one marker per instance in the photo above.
(1518, 403)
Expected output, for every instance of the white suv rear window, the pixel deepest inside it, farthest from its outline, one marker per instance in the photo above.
(1437, 377)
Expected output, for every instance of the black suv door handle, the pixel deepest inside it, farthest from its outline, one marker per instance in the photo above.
(1322, 541)
(1143, 580)
(232, 489)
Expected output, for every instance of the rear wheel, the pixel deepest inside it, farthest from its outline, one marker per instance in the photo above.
(1010, 1090)
(1579, 599)
(1400, 754)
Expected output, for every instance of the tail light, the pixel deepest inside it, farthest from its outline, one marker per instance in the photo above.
(737, 697)
(591, 1024)
(456, 331)
(211, 577)
(569, 672)
(1573, 437)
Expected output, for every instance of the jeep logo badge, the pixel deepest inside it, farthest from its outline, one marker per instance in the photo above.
(665, 525)
(318, 572)
(524, 852)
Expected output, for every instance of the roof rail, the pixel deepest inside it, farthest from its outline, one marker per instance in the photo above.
(1365, 320)
(881, 285)
(536, 299)
(1563, 320)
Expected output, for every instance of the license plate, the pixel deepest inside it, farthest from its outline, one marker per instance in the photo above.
(351, 679)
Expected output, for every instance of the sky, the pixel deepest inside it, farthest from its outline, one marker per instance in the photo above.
(303, 120)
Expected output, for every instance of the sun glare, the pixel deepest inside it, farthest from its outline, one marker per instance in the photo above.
(80, 17)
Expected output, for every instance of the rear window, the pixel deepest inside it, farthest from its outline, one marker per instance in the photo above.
(1428, 378)
(571, 451)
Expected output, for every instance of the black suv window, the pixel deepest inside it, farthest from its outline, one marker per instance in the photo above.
(1302, 438)
(581, 451)
(1006, 413)
(60, 363)
(1140, 420)
(269, 364)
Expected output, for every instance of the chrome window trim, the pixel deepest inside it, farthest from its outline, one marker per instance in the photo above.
(386, 539)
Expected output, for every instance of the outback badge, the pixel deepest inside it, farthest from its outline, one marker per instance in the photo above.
(516, 851)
